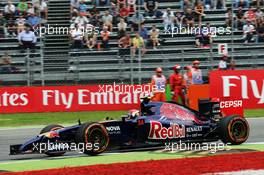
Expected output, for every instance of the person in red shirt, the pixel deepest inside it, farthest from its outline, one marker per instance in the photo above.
(124, 11)
(158, 84)
(177, 85)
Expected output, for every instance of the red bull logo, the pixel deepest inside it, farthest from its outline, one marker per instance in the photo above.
(172, 132)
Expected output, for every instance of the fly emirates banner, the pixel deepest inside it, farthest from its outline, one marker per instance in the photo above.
(247, 85)
(71, 98)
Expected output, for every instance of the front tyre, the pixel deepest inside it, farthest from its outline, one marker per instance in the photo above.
(233, 130)
(94, 137)
(49, 128)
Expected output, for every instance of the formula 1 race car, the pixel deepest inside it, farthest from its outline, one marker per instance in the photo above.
(156, 123)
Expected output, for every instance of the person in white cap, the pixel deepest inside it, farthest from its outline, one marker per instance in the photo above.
(159, 81)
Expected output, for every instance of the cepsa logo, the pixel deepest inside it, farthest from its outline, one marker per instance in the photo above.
(13, 99)
(172, 132)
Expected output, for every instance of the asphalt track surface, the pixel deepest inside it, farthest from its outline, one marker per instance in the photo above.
(21, 135)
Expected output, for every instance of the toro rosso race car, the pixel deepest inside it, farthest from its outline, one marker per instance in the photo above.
(156, 123)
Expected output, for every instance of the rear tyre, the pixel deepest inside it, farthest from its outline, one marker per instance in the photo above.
(49, 128)
(233, 130)
(94, 137)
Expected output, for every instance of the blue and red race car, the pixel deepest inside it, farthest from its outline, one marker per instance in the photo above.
(157, 123)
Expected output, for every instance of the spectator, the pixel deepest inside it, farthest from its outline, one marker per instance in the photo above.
(22, 8)
(138, 44)
(260, 32)
(20, 22)
(10, 10)
(77, 37)
(207, 36)
(74, 7)
(248, 31)
(124, 42)
(5, 64)
(82, 21)
(102, 2)
(189, 18)
(11, 27)
(232, 65)
(34, 21)
(258, 22)
(27, 39)
(91, 39)
(121, 3)
(3, 30)
(124, 12)
(200, 40)
(168, 20)
(186, 4)
(93, 11)
(82, 8)
(220, 4)
(131, 6)
(105, 35)
(242, 3)
(209, 4)
(199, 11)
(196, 73)
(108, 20)
(154, 37)
(250, 15)
(239, 22)
(114, 12)
(132, 9)
(228, 17)
(223, 63)
(43, 9)
(122, 25)
(151, 8)
(136, 20)
(31, 9)
(179, 19)
(259, 14)
(143, 32)
(94, 16)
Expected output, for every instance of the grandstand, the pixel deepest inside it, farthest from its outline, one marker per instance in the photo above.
(54, 62)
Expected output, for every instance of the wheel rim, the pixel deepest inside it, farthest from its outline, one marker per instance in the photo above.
(97, 135)
(239, 130)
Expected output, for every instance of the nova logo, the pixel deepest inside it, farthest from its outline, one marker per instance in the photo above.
(246, 85)
(113, 128)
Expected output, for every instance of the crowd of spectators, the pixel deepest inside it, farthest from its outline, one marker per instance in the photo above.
(250, 21)
(21, 19)
(127, 19)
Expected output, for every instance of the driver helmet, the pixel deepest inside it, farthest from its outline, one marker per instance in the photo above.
(133, 113)
(146, 96)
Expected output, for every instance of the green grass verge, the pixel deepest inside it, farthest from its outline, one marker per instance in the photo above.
(31, 119)
(13, 120)
(24, 165)
(254, 113)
